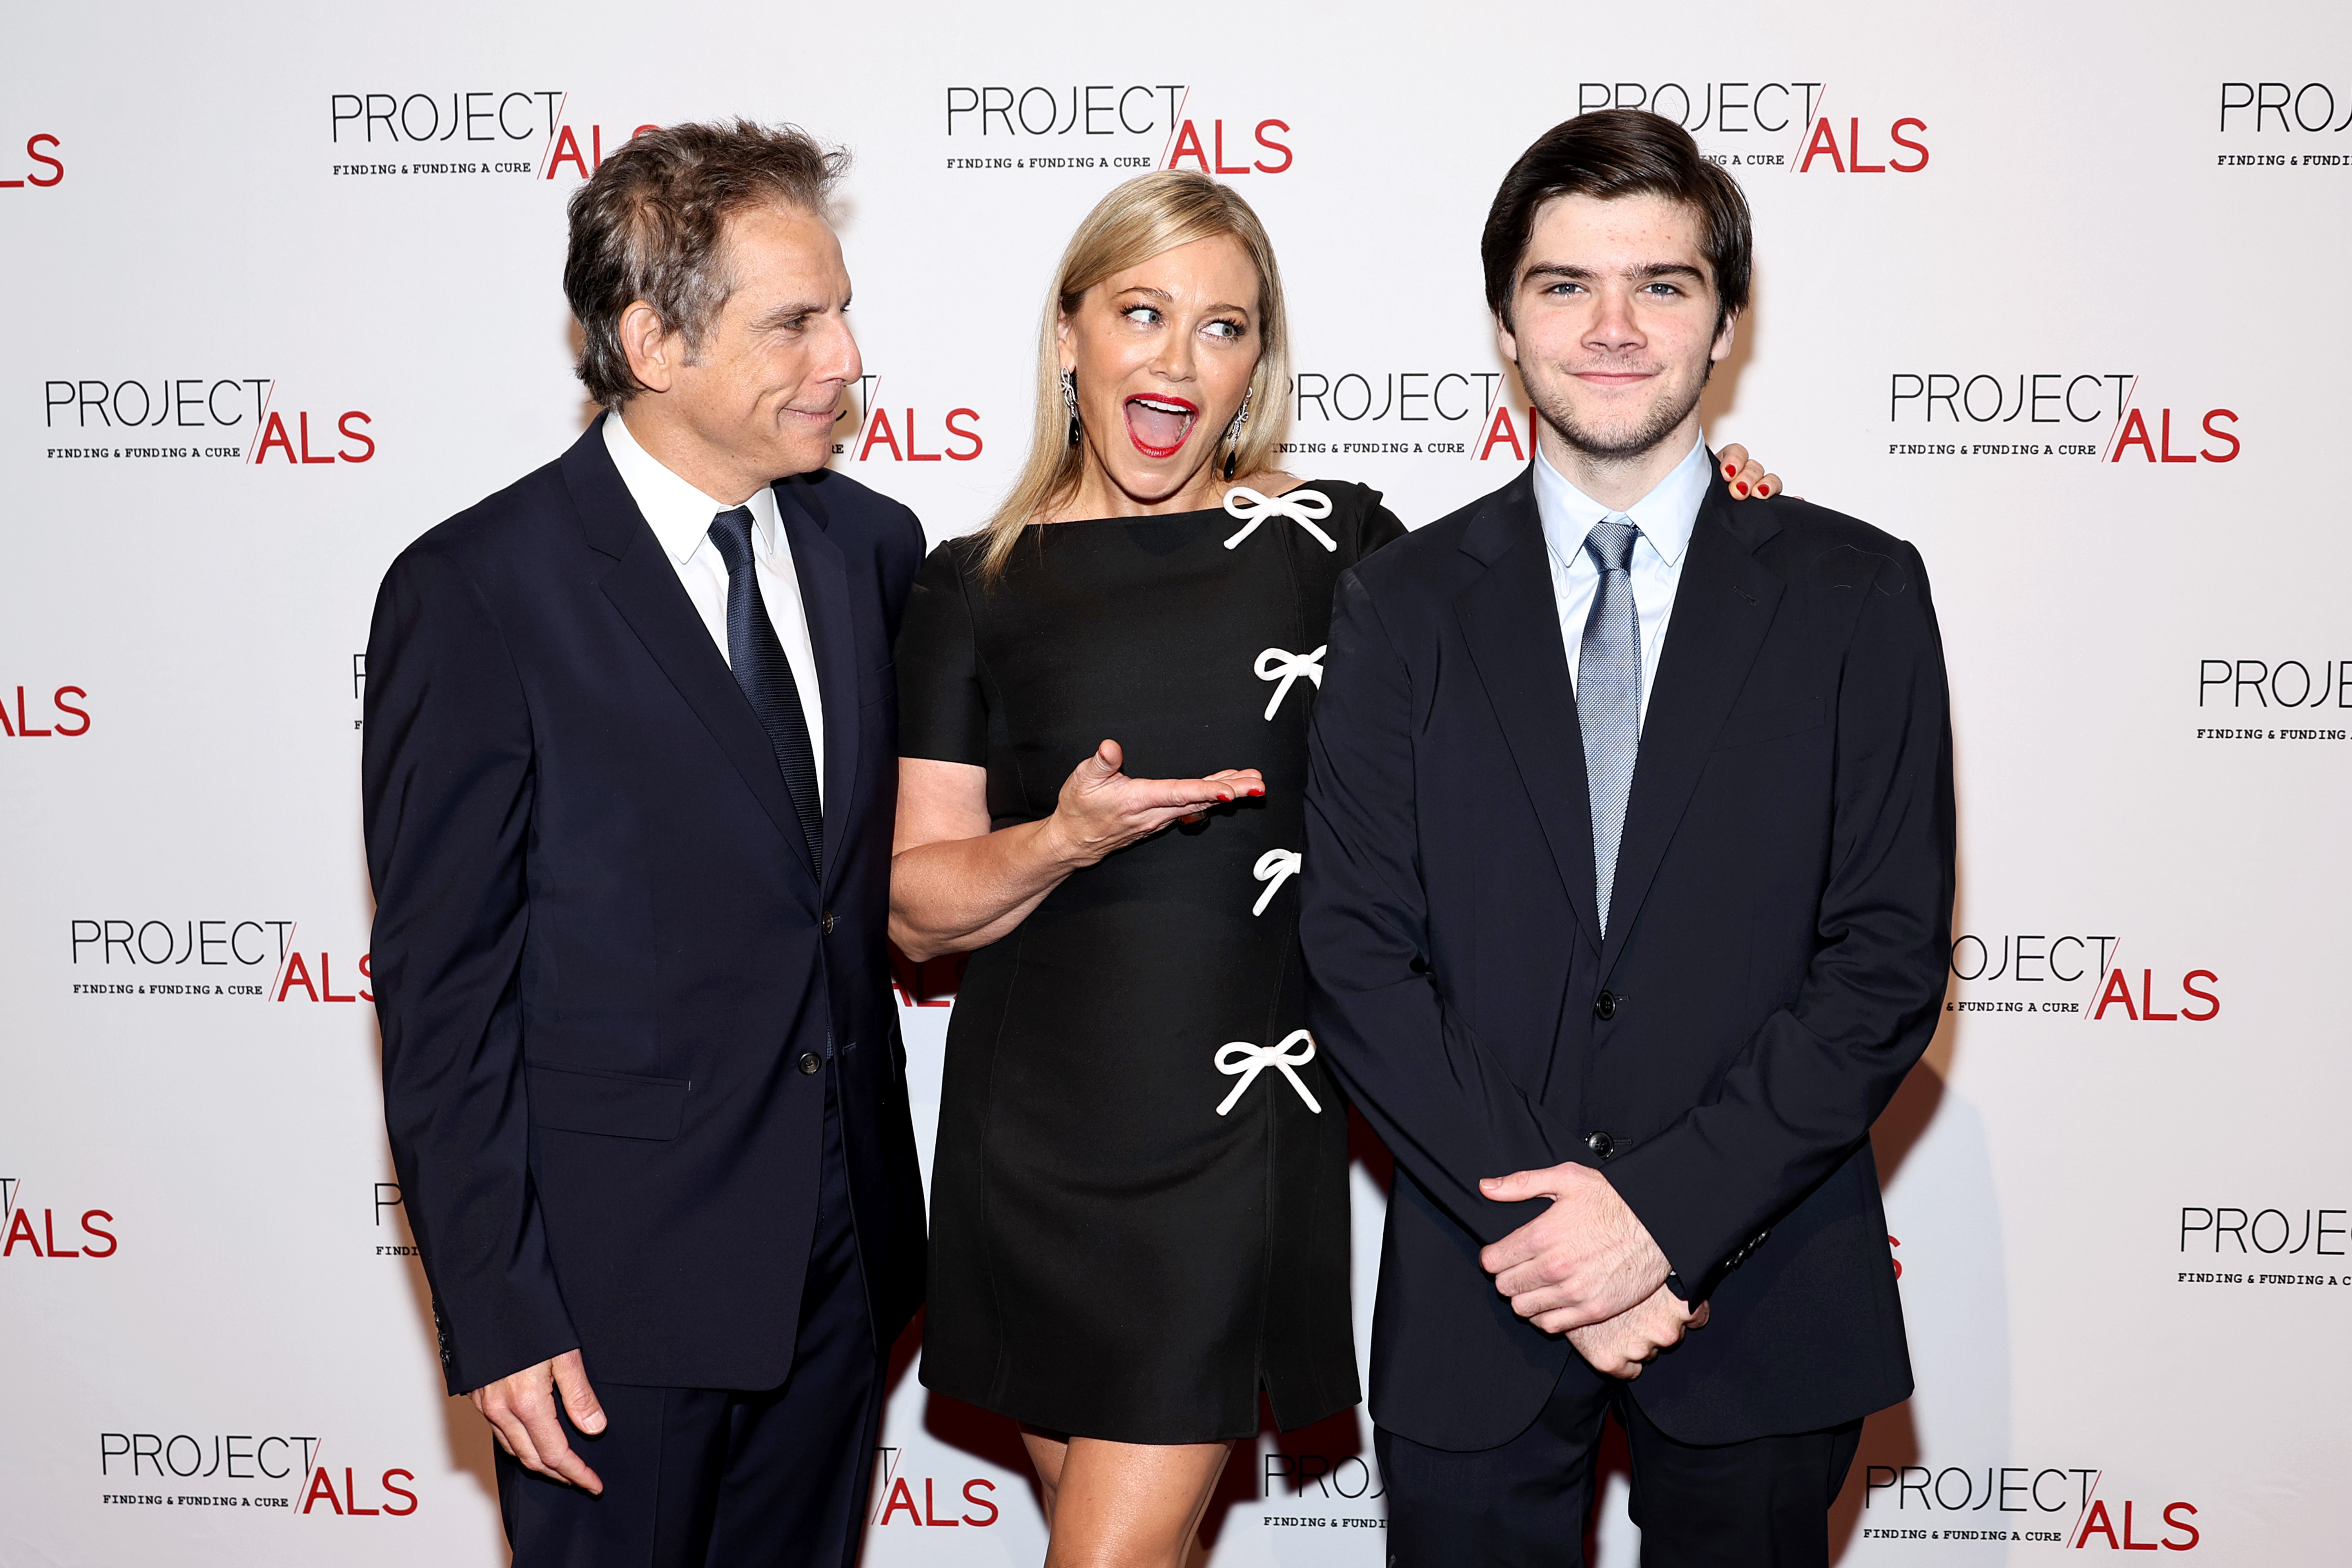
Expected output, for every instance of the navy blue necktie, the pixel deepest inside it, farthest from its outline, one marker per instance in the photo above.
(766, 676)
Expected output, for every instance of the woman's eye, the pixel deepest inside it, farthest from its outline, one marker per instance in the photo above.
(1142, 315)
(1227, 330)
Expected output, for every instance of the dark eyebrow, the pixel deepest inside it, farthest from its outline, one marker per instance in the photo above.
(1584, 274)
(783, 314)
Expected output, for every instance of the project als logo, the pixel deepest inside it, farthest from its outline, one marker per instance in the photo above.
(394, 1238)
(1325, 1491)
(247, 1470)
(1121, 129)
(2068, 1506)
(189, 956)
(40, 167)
(944, 1504)
(2239, 1246)
(2076, 976)
(1785, 126)
(2272, 699)
(2284, 124)
(502, 132)
(920, 429)
(1398, 413)
(88, 1231)
(61, 716)
(2087, 415)
(239, 419)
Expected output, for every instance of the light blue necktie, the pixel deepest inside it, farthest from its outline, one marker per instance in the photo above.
(1609, 696)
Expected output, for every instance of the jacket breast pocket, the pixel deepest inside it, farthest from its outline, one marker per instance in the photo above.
(1770, 723)
(616, 1104)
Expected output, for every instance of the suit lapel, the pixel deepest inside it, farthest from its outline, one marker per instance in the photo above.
(824, 598)
(1723, 607)
(643, 586)
(1510, 620)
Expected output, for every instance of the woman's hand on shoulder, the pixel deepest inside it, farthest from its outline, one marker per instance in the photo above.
(1745, 474)
(1101, 809)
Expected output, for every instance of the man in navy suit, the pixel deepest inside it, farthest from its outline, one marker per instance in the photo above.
(629, 777)
(1627, 890)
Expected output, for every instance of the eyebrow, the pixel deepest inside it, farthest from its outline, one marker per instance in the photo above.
(1584, 274)
(1171, 298)
(784, 313)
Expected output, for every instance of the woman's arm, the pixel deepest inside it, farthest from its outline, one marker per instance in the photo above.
(955, 886)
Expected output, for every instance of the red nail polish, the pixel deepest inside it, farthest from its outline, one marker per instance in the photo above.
(1729, 472)
(1739, 489)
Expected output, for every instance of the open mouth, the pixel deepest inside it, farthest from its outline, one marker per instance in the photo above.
(1158, 425)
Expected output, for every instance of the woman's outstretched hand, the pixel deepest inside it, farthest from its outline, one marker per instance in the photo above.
(1102, 810)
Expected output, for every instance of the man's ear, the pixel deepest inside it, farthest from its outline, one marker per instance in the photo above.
(653, 349)
(1722, 349)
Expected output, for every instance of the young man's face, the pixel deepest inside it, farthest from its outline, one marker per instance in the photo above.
(1612, 322)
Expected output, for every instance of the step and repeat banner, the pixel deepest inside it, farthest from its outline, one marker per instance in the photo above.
(2053, 292)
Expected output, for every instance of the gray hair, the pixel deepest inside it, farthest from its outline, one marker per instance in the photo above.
(651, 224)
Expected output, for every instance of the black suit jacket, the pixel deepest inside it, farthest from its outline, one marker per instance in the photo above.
(600, 951)
(1774, 960)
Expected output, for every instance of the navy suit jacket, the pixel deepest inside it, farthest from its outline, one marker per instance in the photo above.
(600, 952)
(1774, 960)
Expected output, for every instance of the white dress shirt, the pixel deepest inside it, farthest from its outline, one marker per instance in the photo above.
(1665, 517)
(679, 515)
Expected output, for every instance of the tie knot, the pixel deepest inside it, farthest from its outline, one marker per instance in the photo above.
(1610, 544)
(731, 532)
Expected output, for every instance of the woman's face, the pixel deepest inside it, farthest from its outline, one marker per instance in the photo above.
(1163, 354)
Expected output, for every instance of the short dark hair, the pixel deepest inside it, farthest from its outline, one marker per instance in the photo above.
(1614, 153)
(651, 224)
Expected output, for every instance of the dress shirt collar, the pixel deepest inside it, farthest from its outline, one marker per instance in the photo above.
(679, 513)
(1666, 515)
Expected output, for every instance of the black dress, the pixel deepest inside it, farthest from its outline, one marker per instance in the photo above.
(1139, 1192)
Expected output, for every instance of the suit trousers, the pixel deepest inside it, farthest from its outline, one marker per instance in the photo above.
(1763, 1503)
(715, 1477)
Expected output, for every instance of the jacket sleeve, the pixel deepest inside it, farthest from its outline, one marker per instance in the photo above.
(446, 787)
(1801, 1096)
(1439, 1100)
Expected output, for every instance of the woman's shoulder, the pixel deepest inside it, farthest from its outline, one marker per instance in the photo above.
(1358, 519)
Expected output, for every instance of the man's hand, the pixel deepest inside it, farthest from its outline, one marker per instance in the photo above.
(1631, 1340)
(520, 1409)
(1583, 1260)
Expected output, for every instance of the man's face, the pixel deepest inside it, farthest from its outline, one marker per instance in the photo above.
(763, 390)
(1613, 321)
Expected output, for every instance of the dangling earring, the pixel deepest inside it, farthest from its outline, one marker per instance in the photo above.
(1070, 402)
(1234, 433)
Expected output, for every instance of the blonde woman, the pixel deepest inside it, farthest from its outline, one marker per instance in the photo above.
(1139, 1202)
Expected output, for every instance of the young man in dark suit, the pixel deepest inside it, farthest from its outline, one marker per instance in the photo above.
(629, 778)
(1628, 886)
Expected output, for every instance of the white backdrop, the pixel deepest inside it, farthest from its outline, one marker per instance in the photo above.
(2050, 291)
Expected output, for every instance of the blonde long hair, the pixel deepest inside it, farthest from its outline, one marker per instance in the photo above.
(1141, 219)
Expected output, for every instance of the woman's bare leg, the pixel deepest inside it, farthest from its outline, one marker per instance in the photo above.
(1124, 1505)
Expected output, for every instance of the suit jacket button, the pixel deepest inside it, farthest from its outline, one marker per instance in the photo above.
(808, 1062)
(1604, 1006)
(828, 923)
(1600, 1143)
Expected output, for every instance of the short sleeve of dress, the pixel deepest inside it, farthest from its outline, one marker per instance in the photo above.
(943, 711)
